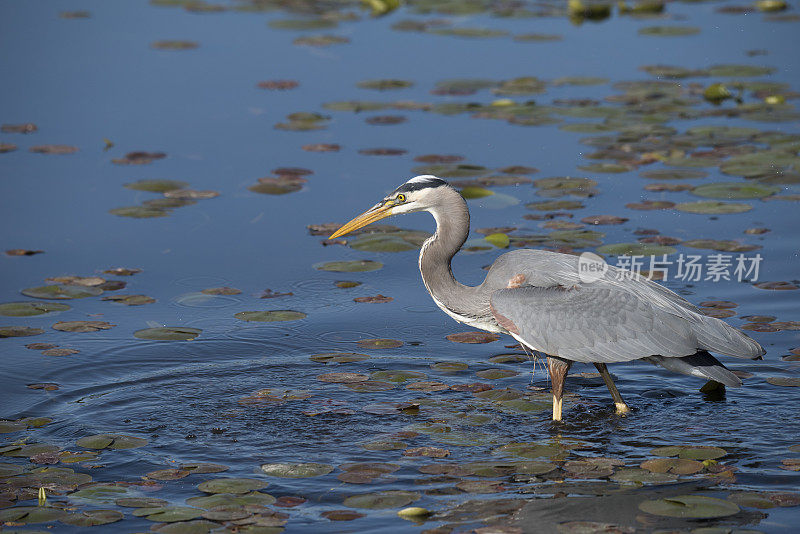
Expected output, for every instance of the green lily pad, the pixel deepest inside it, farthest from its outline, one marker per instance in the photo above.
(553, 451)
(787, 381)
(19, 331)
(673, 174)
(496, 374)
(396, 375)
(499, 240)
(355, 266)
(449, 367)
(231, 499)
(669, 31)
(28, 309)
(739, 70)
(232, 485)
(642, 476)
(82, 326)
(471, 192)
(26, 515)
(635, 249)
(299, 470)
(111, 441)
(690, 507)
(139, 212)
(61, 292)
(140, 502)
(734, 190)
(156, 186)
(675, 466)
(338, 357)
(554, 205)
(168, 514)
(168, 333)
(381, 243)
(92, 518)
(713, 208)
(380, 343)
(382, 500)
(385, 85)
(270, 316)
(605, 167)
(470, 33)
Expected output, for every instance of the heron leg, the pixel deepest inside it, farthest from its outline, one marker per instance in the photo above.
(622, 408)
(558, 370)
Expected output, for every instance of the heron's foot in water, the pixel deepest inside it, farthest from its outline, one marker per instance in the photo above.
(557, 405)
(622, 408)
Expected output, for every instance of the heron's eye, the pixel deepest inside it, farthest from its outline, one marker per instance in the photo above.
(401, 198)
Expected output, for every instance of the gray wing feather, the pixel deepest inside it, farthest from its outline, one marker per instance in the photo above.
(615, 318)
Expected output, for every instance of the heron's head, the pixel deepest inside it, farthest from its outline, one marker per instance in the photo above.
(417, 194)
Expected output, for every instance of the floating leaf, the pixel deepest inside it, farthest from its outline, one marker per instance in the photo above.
(382, 500)
(635, 249)
(130, 300)
(690, 506)
(675, 466)
(784, 381)
(734, 190)
(711, 207)
(473, 337)
(168, 514)
(379, 343)
(270, 316)
(168, 333)
(338, 357)
(232, 485)
(156, 186)
(19, 331)
(342, 378)
(299, 470)
(495, 374)
(174, 45)
(111, 441)
(355, 266)
(139, 212)
(342, 515)
(82, 326)
(669, 31)
(27, 309)
(92, 518)
(61, 292)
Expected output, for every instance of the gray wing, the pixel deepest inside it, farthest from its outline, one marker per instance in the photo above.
(612, 319)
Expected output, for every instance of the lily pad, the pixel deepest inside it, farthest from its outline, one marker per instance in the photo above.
(690, 507)
(156, 186)
(168, 514)
(673, 174)
(61, 292)
(270, 316)
(19, 331)
(338, 357)
(669, 31)
(139, 212)
(734, 190)
(379, 343)
(231, 499)
(788, 381)
(642, 476)
(232, 485)
(635, 249)
(382, 500)
(111, 441)
(168, 333)
(82, 326)
(299, 470)
(356, 266)
(473, 337)
(675, 466)
(92, 518)
(711, 207)
(28, 309)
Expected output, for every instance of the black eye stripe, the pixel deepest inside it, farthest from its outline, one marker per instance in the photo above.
(416, 186)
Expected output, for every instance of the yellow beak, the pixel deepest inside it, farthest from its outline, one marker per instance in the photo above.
(375, 213)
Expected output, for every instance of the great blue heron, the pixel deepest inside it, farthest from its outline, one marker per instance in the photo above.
(539, 298)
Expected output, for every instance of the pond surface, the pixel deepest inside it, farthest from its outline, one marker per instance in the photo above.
(208, 150)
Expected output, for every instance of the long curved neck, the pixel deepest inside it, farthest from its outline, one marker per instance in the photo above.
(452, 229)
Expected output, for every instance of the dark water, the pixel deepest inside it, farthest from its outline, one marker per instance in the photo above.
(83, 80)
